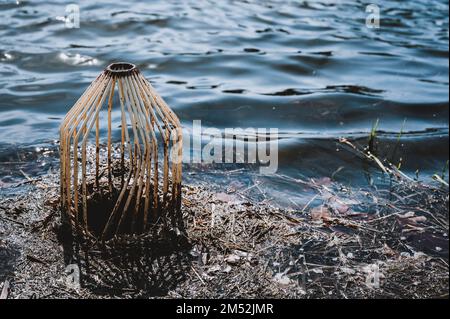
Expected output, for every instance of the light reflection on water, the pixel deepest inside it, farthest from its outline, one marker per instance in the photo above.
(309, 68)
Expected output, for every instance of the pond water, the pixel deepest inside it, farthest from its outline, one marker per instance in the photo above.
(312, 69)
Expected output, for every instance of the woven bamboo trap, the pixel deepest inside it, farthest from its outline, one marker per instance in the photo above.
(108, 188)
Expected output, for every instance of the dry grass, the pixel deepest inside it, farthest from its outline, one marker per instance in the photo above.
(346, 243)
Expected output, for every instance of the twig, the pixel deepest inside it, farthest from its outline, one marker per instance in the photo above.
(5, 290)
(36, 260)
(309, 203)
(199, 277)
(26, 175)
(13, 221)
(440, 180)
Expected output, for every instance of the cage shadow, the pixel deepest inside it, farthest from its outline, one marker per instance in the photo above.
(129, 265)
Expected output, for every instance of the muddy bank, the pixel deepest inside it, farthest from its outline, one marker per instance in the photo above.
(353, 244)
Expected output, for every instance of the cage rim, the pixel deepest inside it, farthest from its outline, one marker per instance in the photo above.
(121, 68)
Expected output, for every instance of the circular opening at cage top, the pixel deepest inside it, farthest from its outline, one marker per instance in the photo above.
(121, 68)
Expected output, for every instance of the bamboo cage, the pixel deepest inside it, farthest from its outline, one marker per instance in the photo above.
(109, 187)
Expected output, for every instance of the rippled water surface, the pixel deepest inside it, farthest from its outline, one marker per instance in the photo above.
(312, 69)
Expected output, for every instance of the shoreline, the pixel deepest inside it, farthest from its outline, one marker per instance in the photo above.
(242, 249)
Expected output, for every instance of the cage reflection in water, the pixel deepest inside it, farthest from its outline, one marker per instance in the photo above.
(127, 187)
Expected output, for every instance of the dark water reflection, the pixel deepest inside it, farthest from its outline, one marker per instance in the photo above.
(312, 69)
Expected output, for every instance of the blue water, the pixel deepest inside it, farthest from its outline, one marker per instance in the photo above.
(312, 69)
